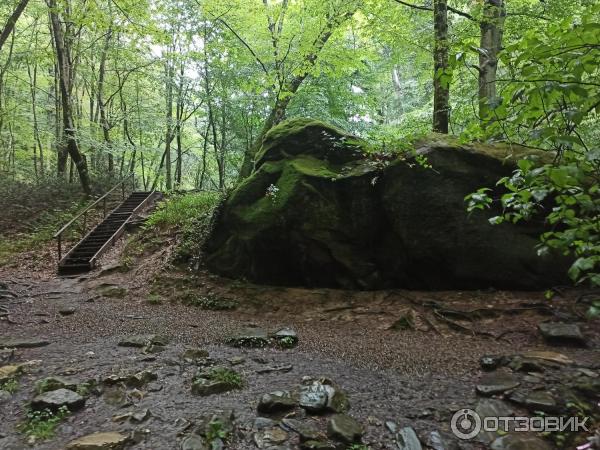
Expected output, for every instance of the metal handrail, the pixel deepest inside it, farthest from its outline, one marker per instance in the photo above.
(59, 233)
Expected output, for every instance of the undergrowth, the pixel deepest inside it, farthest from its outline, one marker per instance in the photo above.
(42, 424)
(188, 216)
(46, 224)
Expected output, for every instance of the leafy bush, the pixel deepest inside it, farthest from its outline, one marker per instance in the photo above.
(190, 215)
(226, 375)
(42, 424)
(551, 101)
(178, 210)
(11, 386)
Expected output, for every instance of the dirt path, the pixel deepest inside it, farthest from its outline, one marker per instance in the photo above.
(414, 377)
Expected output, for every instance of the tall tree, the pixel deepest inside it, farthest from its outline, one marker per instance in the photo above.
(12, 20)
(492, 28)
(62, 50)
(441, 89)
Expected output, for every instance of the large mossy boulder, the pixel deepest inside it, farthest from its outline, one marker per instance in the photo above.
(318, 212)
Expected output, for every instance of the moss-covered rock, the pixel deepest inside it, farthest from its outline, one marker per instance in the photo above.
(318, 212)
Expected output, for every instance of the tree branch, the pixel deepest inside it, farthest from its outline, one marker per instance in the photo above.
(426, 8)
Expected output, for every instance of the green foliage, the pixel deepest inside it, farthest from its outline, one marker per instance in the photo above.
(225, 375)
(215, 431)
(287, 342)
(154, 299)
(42, 424)
(11, 386)
(551, 102)
(178, 210)
(209, 302)
(189, 215)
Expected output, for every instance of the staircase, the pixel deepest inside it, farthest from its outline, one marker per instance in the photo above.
(83, 256)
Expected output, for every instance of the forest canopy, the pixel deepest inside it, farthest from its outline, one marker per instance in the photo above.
(181, 92)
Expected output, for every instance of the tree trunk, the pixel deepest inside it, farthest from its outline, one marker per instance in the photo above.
(492, 27)
(101, 105)
(12, 20)
(441, 88)
(288, 89)
(64, 69)
(169, 116)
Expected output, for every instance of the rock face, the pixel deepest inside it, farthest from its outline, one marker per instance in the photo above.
(318, 212)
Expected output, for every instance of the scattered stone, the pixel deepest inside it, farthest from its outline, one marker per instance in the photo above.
(141, 416)
(286, 337)
(317, 445)
(306, 431)
(223, 421)
(237, 360)
(152, 349)
(112, 291)
(4, 397)
(250, 338)
(116, 396)
(53, 383)
(269, 437)
(490, 362)
(23, 343)
(99, 441)
(262, 422)
(562, 333)
(548, 356)
(6, 355)
(496, 383)
(54, 400)
(138, 341)
(193, 442)
(391, 426)
(193, 355)
(68, 311)
(407, 439)
(276, 401)
(520, 441)
(323, 395)
(204, 387)
(435, 441)
(521, 364)
(535, 401)
(283, 368)
(344, 428)
(490, 407)
(136, 380)
(10, 372)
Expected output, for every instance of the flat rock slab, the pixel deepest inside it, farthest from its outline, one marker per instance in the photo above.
(407, 439)
(193, 442)
(270, 437)
(306, 431)
(554, 357)
(496, 383)
(139, 341)
(9, 372)
(520, 441)
(251, 338)
(54, 400)
(22, 343)
(277, 401)
(562, 333)
(99, 441)
(344, 428)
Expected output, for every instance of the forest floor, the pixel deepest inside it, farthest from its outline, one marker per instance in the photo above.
(404, 359)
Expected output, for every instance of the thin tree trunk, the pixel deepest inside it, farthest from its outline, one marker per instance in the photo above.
(441, 88)
(492, 27)
(65, 79)
(169, 71)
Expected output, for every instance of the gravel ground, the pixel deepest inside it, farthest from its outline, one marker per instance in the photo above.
(416, 377)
